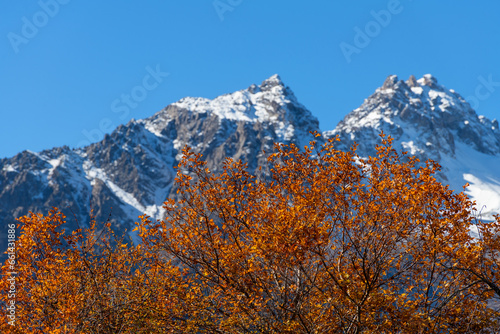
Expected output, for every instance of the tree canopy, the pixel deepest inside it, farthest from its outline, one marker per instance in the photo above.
(328, 242)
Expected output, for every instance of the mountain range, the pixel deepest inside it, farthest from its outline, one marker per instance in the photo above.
(131, 171)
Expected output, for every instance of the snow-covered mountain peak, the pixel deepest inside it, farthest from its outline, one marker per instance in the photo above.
(424, 110)
(390, 82)
(271, 104)
(271, 82)
(256, 103)
(428, 80)
(432, 122)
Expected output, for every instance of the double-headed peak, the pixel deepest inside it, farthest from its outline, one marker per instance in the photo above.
(132, 171)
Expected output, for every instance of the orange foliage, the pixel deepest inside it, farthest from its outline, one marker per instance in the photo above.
(328, 243)
(80, 283)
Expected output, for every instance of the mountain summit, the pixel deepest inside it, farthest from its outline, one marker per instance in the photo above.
(131, 171)
(423, 116)
(270, 109)
(431, 122)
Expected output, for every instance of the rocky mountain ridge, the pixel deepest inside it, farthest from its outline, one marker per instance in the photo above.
(131, 171)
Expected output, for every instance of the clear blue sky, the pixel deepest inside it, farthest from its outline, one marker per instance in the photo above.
(67, 68)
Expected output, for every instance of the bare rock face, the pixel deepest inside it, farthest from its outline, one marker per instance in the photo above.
(412, 81)
(131, 171)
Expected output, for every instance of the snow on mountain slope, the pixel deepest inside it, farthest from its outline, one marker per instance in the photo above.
(239, 125)
(481, 171)
(272, 104)
(250, 105)
(431, 122)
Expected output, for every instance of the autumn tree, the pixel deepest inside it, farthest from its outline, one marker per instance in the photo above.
(88, 281)
(481, 258)
(329, 243)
